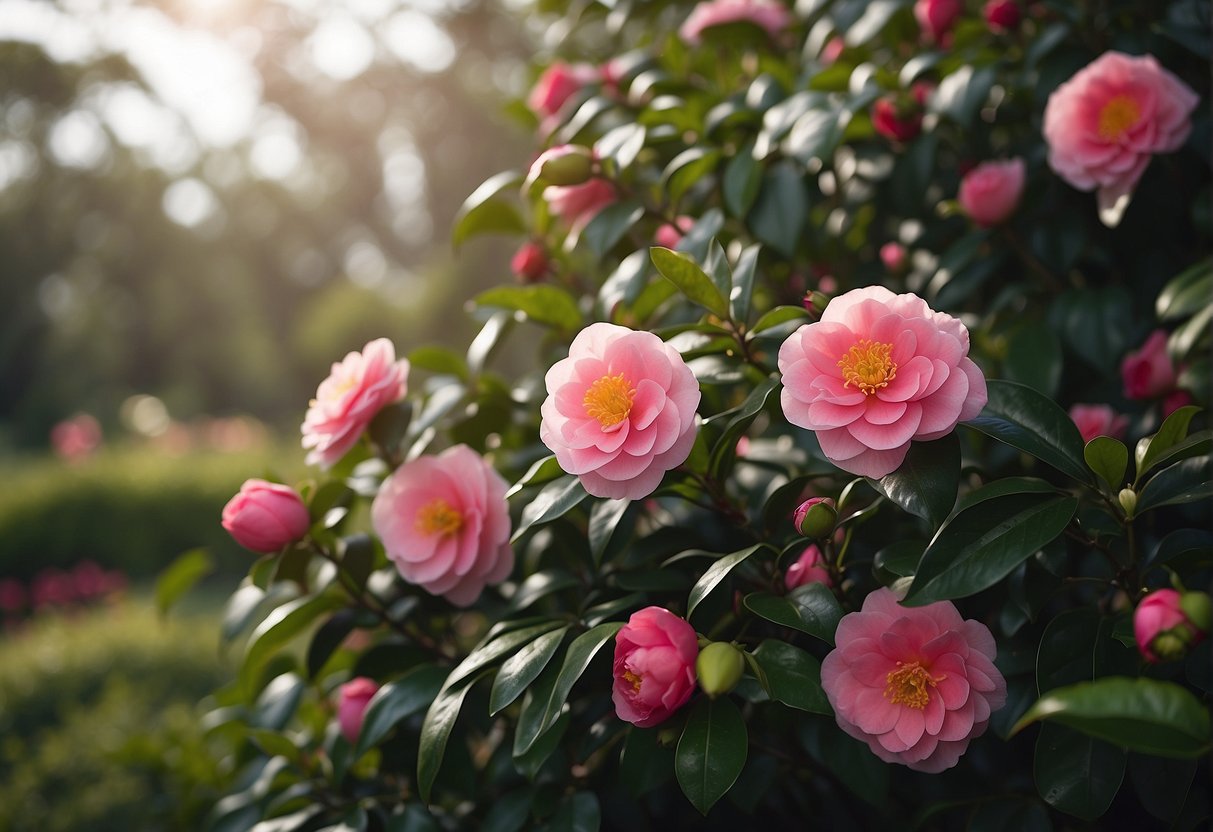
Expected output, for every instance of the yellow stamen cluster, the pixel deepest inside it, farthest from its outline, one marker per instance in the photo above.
(634, 679)
(1117, 116)
(910, 685)
(868, 366)
(438, 517)
(609, 400)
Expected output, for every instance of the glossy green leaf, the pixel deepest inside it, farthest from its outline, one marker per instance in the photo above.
(781, 210)
(543, 304)
(793, 676)
(980, 545)
(1078, 646)
(1184, 482)
(1075, 773)
(509, 813)
(540, 584)
(520, 669)
(610, 225)
(1162, 785)
(542, 471)
(1145, 715)
(180, 576)
(1186, 293)
(1109, 458)
(485, 212)
(1173, 430)
(726, 447)
(605, 517)
(711, 751)
(925, 484)
(743, 283)
(1034, 357)
(780, 315)
(440, 360)
(495, 646)
(714, 574)
(1028, 420)
(687, 168)
(556, 499)
(397, 701)
(644, 763)
(279, 627)
(328, 638)
(621, 145)
(900, 558)
(742, 180)
(577, 812)
(681, 270)
(812, 609)
(435, 731)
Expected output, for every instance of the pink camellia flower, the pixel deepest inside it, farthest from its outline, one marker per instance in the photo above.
(76, 438)
(772, 17)
(832, 51)
(620, 411)
(893, 255)
(809, 568)
(1148, 372)
(355, 696)
(445, 523)
(1174, 400)
(557, 84)
(265, 516)
(915, 683)
(530, 262)
(361, 385)
(578, 204)
(1098, 420)
(670, 234)
(877, 371)
(897, 118)
(654, 666)
(990, 192)
(1103, 125)
(1164, 627)
(937, 17)
(12, 596)
(1002, 15)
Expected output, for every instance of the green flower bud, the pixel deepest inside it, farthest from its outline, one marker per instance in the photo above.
(1198, 608)
(1128, 501)
(719, 668)
(566, 164)
(816, 517)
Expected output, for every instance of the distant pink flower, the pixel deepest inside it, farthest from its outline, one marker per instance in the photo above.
(52, 587)
(1162, 629)
(530, 262)
(12, 596)
(654, 666)
(937, 17)
(578, 204)
(445, 523)
(265, 516)
(832, 51)
(896, 117)
(557, 84)
(990, 192)
(669, 235)
(893, 255)
(1148, 372)
(877, 371)
(915, 683)
(1098, 420)
(1002, 15)
(355, 695)
(76, 438)
(809, 568)
(771, 16)
(620, 411)
(357, 388)
(1174, 400)
(1104, 124)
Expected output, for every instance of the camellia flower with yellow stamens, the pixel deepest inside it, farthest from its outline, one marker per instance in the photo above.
(620, 411)
(654, 666)
(877, 371)
(917, 684)
(445, 523)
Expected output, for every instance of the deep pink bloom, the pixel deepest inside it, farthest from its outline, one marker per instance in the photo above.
(1162, 630)
(265, 516)
(809, 568)
(52, 587)
(557, 84)
(990, 192)
(1174, 400)
(877, 371)
(361, 385)
(768, 15)
(76, 438)
(445, 523)
(937, 17)
(620, 410)
(12, 596)
(1148, 372)
(893, 255)
(915, 683)
(654, 666)
(1002, 15)
(578, 204)
(670, 234)
(1104, 124)
(355, 696)
(530, 262)
(1098, 420)
(895, 119)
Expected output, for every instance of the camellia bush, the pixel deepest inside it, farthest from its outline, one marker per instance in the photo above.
(859, 478)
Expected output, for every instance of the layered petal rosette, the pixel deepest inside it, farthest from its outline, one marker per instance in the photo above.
(877, 371)
(620, 411)
(915, 683)
(445, 523)
(361, 385)
(654, 666)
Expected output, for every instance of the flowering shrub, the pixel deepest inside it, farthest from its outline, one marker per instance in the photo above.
(584, 596)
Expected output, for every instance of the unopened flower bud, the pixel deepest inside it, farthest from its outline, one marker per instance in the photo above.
(719, 668)
(1128, 501)
(565, 164)
(1163, 628)
(816, 517)
(1198, 608)
(815, 302)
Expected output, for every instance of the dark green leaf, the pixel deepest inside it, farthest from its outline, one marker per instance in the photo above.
(644, 763)
(622, 145)
(711, 751)
(549, 305)
(1034, 357)
(578, 812)
(1183, 482)
(1078, 646)
(726, 447)
(435, 731)
(900, 558)
(1187, 293)
(556, 499)
(520, 669)
(691, 280)
(605, 517)
(780, 315)
(328, 638)
(686, 169)
(539, 584)
(610, 225)
(397, 701)
(543, 471)
(1026, 419)
(1077, 774)
(793, 675)
(1108, 458)
(927, 481)
(743, 283)
(483, 212)
(1161, 784)
(508, 813)
(1174, 429)
(279, 627)
(180, 576)
(495, 646)
(440, 360)
(715, 574)
(779, 215)
(742, 179)
(806, 608)
(1183, 544)
(1145, 715)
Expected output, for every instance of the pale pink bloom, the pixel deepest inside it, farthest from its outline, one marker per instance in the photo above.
(937, 17)
(915, 683)
(1160, 614)
(809, 568)
(773, 17)
(1103, 125)
(832, 51)
(1148, 372)
(265, 516)
(557, 84)
(445, 523)
(355, 696)
(654, 666)
(578, 204)
(620, 411)
(990, 192)
(1098, 420)
(76, 438)
(346, 402)
(670, 234)
(877, 371)
(893, 255)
